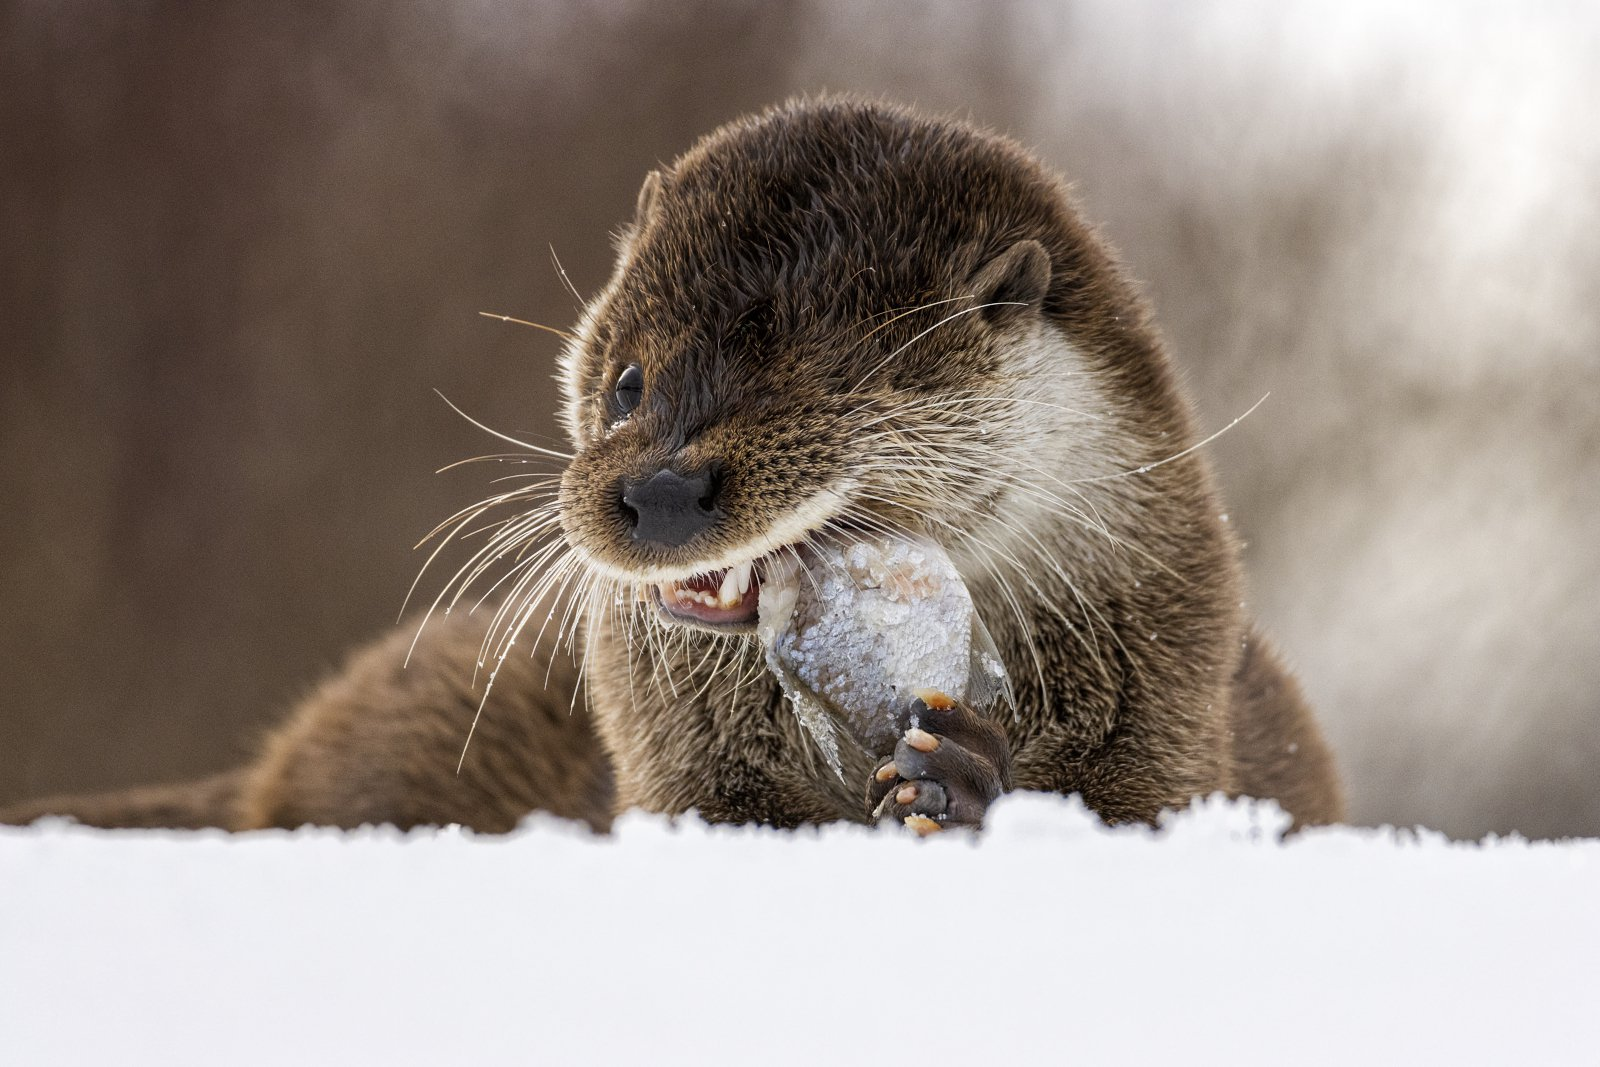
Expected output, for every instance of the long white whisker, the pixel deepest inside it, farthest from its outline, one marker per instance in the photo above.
(930, 329)
(1177, 455)
(504, 437)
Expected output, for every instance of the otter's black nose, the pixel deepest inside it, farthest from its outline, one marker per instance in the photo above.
(670, 508)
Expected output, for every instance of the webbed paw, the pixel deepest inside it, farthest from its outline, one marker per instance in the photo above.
(946, 770)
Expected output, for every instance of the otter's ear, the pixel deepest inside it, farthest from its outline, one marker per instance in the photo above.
(649, 193)
(1012, 284)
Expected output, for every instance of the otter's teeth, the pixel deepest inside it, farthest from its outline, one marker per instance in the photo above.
(735, 584)
(728, 595)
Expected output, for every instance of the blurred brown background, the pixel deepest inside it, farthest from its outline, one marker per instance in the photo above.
(243, 244)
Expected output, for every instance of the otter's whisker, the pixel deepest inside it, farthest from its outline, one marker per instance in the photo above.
(504, 437)
(497, 457)
(930, 329)
(1148, 467)
(563, 334)
(561, 272)
(903, 312)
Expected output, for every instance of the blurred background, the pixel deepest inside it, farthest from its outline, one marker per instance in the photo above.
(244, 243)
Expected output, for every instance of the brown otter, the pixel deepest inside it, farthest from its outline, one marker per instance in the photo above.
(836, 316)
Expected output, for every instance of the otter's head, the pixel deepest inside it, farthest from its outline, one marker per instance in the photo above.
(833, 315)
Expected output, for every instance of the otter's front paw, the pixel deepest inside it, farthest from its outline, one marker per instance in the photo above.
(945, 771)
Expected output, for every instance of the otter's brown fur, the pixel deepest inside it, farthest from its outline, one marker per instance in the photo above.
(855, 316)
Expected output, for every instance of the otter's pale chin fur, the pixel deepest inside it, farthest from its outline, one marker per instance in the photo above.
(837, 316)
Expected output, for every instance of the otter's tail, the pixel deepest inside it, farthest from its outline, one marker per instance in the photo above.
(187, 805)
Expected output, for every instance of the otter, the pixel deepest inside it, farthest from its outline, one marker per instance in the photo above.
(836, 316)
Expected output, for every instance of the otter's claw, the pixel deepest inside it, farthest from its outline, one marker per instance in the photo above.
(946, 770)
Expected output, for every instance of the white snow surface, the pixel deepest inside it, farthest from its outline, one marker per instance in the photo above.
(1047, 939)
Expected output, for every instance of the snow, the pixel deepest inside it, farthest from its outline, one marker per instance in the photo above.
(1048, 937)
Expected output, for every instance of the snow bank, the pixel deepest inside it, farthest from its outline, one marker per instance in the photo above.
(1049, 940)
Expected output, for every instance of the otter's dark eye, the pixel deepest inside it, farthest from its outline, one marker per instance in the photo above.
(629, 389)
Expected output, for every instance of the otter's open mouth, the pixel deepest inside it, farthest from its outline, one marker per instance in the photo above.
(722, 599)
